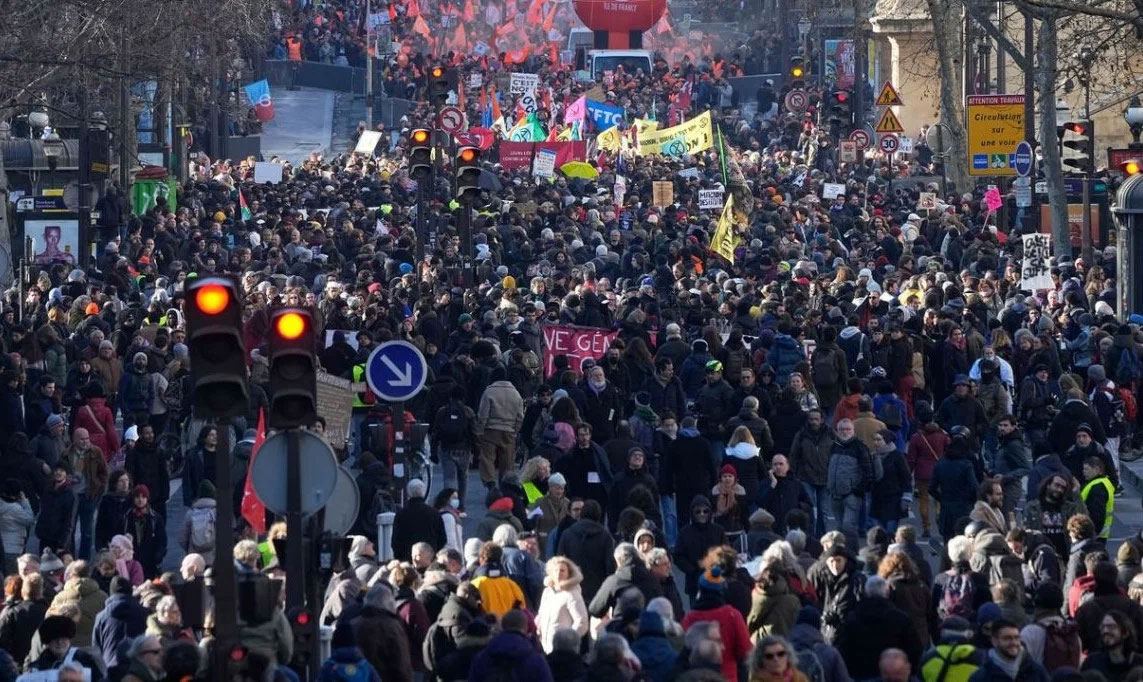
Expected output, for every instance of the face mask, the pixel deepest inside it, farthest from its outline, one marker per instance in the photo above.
(454, 503)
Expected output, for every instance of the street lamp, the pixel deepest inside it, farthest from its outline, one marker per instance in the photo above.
(53, 150)
(1134, 117)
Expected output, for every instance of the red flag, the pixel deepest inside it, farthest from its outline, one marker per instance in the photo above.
(469, 12)
(252, 508)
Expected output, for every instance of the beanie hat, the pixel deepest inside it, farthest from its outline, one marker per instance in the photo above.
(557, 479)
(955, 626)
(699, 346)
(728, 469)
(206, 489)
(56, 627)
(120, 585)
(712, 580)
(810, 615)
(503, 504)
(1097, 374)
(987, 613)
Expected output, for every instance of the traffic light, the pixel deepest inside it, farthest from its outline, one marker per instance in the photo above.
(467, 172)
(217, 353)
(1078, 147)
(236, 662)
(293, 371)
(1131, 166)
(420, 153)
(302, 624)
(440, 82)
(841, 108)
(797, 72)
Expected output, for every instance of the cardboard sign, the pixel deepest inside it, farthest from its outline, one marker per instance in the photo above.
(833, 190)
(710, 198)
(528, 102)
(368, 142)
(335, 404)
(662, 193)
(847, 151)
(992, 199)
(578, 343)
(906, 145)
(691, 172)
(1036, 269)
(927, 201)
(265, 171)
(519, 83)
(544, 165)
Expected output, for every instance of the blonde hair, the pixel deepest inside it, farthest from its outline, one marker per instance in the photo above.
(532, 468)
(552, 566)
(741, 435)
(247, 552)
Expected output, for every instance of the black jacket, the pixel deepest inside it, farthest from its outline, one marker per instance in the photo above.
(693, 542)
(666, 397)
(57, 517)
(780, 499)
(1062, 433)
(895, 482)
(872, 627)
(688, 469)
(149, 533)
(809, 455)
(416, 522)
(624, 484)
(635, 575)
(18, 624)
(590, 546)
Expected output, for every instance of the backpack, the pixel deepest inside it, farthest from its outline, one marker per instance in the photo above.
(891, 414)
(202, 529)
(1061, 644)
(357, 671)
(1005, 566)
(452, 425)
(1130, 406)
(523, 369)
(810, 665)
(1042, 567)
(1129, 368)
(824, 369)
(958, 597)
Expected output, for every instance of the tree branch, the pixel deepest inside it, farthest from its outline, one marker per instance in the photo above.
(993, 32)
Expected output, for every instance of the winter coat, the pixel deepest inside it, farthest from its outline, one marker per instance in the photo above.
(732, 627)
(416, 522)
(954, 485)
(148, 467)
(808, 638)
(693, 542)
(603, 410)
(892, 486)
(122, 618)
(743, 457)
(625, 482)
(148, 531)
(493, 519)
(874, 626)
(783, 496)
(785, 354)
(56, 523)
(866, 425)
(635, 575)
(669, 396)
(1062, 432)
(838, 594)
(514, 652)
(348, 658)
(97, 418)
(383, 640)
(689, 470)
(16, 521)
(850, 469)
(810, 454)
(1074, 456)
(561, 605)
(773, 610)
(914, 598)
(692, 373)
(1029, 671)
(501, 409)
(653, 649)
(111, 518)
(85, 594)
(588, 544)
(830, 355)
(715, 405)
(962, 411)
(18, 624)
(1013, 463)
(1090, 614)
(787, 420)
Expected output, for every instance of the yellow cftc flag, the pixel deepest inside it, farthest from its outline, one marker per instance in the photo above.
(724, 240)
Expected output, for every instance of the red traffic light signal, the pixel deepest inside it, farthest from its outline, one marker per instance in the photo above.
(238, 654)
(842, 96)
(1077, 127)
(302, 618)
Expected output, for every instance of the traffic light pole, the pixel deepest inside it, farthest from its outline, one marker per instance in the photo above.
(464, 226)
(225, 588)
(295, 531)
(1085, 235)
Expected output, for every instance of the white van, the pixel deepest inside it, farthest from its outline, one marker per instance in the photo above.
(608, 60)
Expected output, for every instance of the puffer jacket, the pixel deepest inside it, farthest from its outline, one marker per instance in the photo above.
(810, 455)
(562, 605)
(773, 610)
(850, 469)
(85, 594)
(749, 467)
(16, 521)
(501, 408)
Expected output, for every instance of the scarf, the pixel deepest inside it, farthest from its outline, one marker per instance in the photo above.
(1010, 668)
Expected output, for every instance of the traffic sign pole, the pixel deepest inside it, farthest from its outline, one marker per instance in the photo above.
(225, 587)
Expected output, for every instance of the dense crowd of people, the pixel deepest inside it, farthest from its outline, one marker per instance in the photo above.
(857, 449)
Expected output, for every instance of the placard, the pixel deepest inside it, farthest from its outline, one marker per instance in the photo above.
(847, 151)
(335, 405)
(528, 102)
(710, 198)
(475, 79)
(927, 201)
(833, 190)
(368, 142)
(662, 193)
(268, 172)
(1036, 270)
(578, 343)
(692, 172)
(519, 83)
(544, 165)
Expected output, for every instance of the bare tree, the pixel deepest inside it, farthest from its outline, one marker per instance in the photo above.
(948, 40)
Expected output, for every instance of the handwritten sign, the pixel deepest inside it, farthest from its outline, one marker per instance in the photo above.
(662, 193)
(578, 343)
(1035, 272)
(519, 83)
(335, 403)
(710, 198)
(833, 190)
(544, 163)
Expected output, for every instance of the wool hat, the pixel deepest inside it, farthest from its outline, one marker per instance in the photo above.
(987, 613)
(713, 366)
(502, 504)
(206, 489)
(728, 469)
(1085, 428)
(55, 420)
(711, 580)
(557, 479)
(56, 627)
(49, 562)
(955, 626)
(120, 585)
(1097, 373)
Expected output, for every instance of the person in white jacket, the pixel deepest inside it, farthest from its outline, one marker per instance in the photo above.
(562, 604)
(16, 521)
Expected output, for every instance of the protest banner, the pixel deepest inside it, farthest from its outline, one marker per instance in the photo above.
(689, 137)
(519, 83)
(723, 241)
(335, 404)
(833, 190)
(710, 198)
(521, 154)
(1036, 270)
(578, 343)
(604, 115)
(662, 193)
(544, 165)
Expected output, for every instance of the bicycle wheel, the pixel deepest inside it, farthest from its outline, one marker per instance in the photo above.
(420, 467)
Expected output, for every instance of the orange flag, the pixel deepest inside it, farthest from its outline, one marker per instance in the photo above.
(469, 11)
(535, 12)
(496, 113)
(550, 19)
(422, 27)
(252, 508)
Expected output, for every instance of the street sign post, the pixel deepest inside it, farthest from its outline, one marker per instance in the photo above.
(889, 144)
(317, 471)
(888, 97)
(888, 123)
(396, 371)
(797, 101)
(341, 511)
(1024, 159)
(995, 130)
(861, 137)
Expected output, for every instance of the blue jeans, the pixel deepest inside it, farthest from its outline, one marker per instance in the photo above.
(847, 515)
(670, 519)
(85, 518)
(890, 527)
(821, 501)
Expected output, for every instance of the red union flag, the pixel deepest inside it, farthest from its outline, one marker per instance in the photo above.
(578, 343)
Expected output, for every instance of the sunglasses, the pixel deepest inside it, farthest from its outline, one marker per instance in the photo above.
(771, 655)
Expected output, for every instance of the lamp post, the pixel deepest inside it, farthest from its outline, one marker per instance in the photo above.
(53, 149)
(1134, 117)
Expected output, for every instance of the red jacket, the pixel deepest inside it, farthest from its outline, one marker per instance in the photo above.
(735, 637)
(925, 449)
(97, 418)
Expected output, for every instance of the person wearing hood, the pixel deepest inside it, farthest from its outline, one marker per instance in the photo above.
(875, 625)
(748, 416)
(56, 522)
(589, 546)
(197, 533)
(809, 459)
(692, 373)
(954, 482)
(786, 353)
(1007, 659)
(742, 454)
(135, 391)
(694, 540)
(1013, 462)
(850, 476)
(839, 586)
(562, 604)
(711, 606)
(855, 343)
(954, 653)
(445, 634)
(635, 474)
(891, 497)
(345, 659)
(653, 648)
(512, 651)
(381, 635)
(82, 591)
(806, 638)
(1072, 415)
(962, 408)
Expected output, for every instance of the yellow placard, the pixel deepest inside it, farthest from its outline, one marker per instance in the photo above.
(609, 140)
(723, 241)
(889, 123)
(889, 97)
(689, 137)
(995, 128)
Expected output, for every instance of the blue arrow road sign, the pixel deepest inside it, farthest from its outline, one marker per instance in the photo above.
(1022, 160)
(396, 371)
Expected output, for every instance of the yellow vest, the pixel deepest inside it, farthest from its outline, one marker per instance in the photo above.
(364, 399)
(1105, 532)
